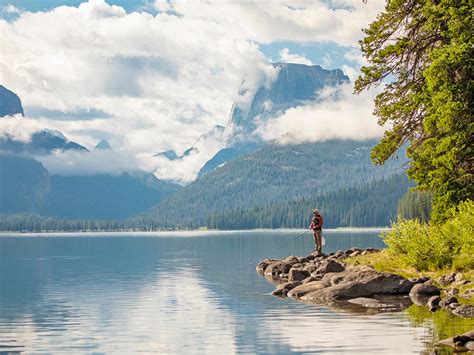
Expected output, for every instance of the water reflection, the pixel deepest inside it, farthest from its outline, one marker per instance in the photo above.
(177, 293)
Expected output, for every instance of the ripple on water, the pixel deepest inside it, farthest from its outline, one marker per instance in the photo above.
(177, 294)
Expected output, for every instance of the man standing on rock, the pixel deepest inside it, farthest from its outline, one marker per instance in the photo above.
(317, 226)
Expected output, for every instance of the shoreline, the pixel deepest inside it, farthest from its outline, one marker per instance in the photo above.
(192, 232)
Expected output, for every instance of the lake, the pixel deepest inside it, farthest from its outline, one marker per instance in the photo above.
(182, 292)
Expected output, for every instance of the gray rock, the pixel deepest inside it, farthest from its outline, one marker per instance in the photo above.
(277, 268)
(309, 279)
(291, 260)
(337, 279)
(364, 283)
(451, 291)
(330, 266)
(262, 265)
(433, 303)
(311, 268)
(283, 289)
(453, 306)
(306, 288)
(316, 254)
(424, 290)
(469, 345)
(326, 279)
(459, 342)
(460, 283)
(468, 293)
(419, 280)
(464, 310)
(445, 302)
(445, 280)
(297, 274)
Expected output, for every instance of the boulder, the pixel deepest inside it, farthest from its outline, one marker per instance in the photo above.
(468, 293)
(337, 279)
(309, 279)
(464, 310)
(283, 289)
(291, 260)
(419, 280)
(311, 268)
(469, 345)
(445, 302)
(451, 291)
(460, 283)
(277, 268)
(445, 280)
(330, 266)
(362, 283)
(459, 342)
(303, 289)
(326, 279)
(297, 274)
(453, 306)
(303, 259)
(433, 303)
(424, 290)
(316, 254)
(262, 265)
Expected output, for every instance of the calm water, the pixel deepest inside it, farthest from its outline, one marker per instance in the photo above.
(178, 292)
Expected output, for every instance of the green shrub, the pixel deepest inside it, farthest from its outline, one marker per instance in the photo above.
(430, 246)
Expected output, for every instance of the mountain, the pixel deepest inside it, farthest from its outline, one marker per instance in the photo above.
(169, 154)
(372, 204)
(10, 103)
(103, 145)
(24, 184)
(295, 84)
(225, 155)
(41, 143)
(105, 196)
(27, 187)
(271, 174)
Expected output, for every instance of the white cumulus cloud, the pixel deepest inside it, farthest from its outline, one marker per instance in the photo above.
(162, 80)
(287, 57)
(341, 115)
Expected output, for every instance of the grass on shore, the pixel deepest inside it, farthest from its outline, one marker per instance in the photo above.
(387, 262)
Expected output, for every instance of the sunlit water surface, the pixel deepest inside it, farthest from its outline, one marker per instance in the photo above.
(178, 293)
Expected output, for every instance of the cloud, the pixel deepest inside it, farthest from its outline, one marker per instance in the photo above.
(287, 20)
(97, 161)
(18, 127)
(185, 170)
(11, 9)
(340, 114)
(152, 82)
(287, 57)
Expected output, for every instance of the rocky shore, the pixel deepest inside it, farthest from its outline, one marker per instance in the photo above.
(328, 279)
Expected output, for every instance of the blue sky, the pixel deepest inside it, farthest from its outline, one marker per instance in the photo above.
(155, 75)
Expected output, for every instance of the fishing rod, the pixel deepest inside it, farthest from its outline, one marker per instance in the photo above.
(285, 244)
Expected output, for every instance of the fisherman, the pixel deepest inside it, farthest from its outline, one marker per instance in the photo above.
(317, 226)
